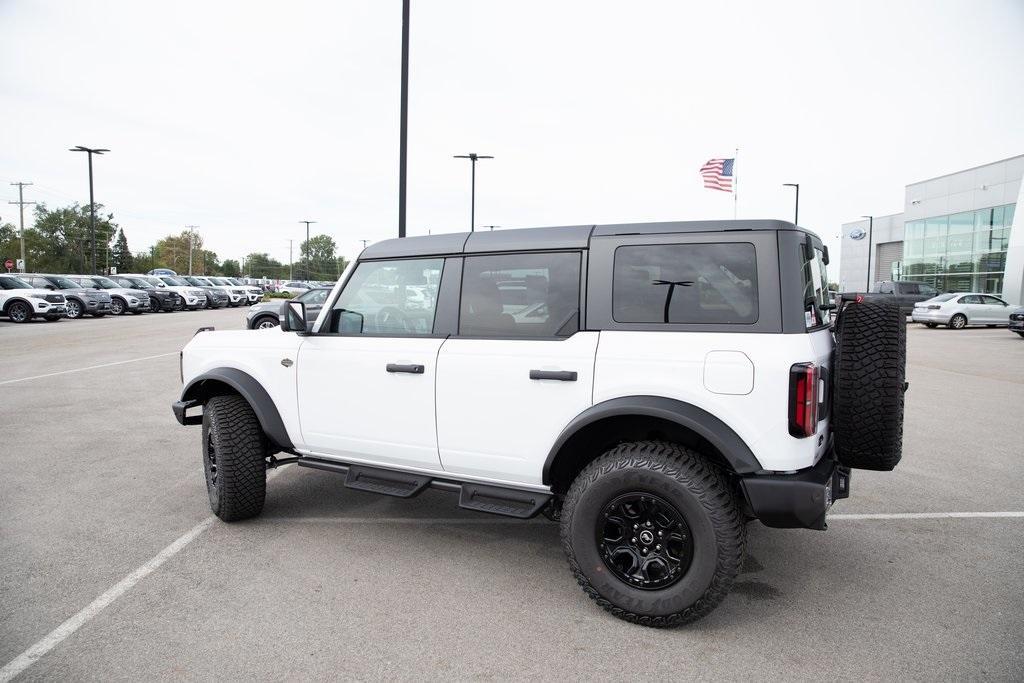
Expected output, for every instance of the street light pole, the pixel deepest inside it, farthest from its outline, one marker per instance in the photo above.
(191, 237)
(871, 226)
(307, 246)
(403, 125)
(473, 157)
(796, 211)
(92, 203)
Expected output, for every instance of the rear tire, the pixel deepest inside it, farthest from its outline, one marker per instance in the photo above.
(868, 385)
(958, 322)
(234, 458)
(688, 568)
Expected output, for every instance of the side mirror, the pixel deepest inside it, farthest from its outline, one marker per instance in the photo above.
(824, 254)
(293, 317)
(51, 288)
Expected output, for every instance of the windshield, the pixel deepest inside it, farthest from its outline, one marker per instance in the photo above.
(203, 282)
(64, 283)
(129, 282)
(173, 282)
(13, 283)
(234, 281)
(105, 282)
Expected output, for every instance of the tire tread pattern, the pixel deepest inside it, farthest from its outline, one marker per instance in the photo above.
(869, 381)
(241, 457)
(715, 493)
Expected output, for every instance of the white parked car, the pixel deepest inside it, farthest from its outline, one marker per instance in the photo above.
(21, 302)
(293, 288)
(652, 387)
(957, 311)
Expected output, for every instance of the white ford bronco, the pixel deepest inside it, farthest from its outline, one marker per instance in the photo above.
(651, 387)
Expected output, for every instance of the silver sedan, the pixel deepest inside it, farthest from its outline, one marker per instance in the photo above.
(957, 311)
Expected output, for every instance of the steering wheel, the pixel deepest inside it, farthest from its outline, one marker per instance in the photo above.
(389, 317)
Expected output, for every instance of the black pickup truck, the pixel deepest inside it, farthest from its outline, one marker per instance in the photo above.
(904, 292)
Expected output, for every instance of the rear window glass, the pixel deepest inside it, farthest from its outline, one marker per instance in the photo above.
(685, 283)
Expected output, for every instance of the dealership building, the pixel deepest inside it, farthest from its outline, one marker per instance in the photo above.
(959, 232)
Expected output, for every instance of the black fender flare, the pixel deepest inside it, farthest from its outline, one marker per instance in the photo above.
(13, 299)
(252, 391)
(718, 434)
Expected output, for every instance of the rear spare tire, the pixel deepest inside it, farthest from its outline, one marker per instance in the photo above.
(869, 381)
(234, 458)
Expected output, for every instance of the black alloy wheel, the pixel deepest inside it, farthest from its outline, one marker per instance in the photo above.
(644, 540)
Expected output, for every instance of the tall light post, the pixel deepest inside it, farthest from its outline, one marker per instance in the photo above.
(191, 238)
(403, 123)
(871, 226)
(473, 157)
(307, 246)
(92, 203)
(796, 210)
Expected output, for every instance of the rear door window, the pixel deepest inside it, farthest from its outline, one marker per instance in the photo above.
(520, 295)
(702, 283)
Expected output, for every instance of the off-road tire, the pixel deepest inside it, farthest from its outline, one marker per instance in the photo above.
(698, 491)
(869, 381)
(237, 485)
(958, 322)
(19, 312)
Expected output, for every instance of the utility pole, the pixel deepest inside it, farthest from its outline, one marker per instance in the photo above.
(21, 206)
(307, 246)
(191, 236)
(92, 203)
(403, 124)
(796, 211)
(473, 157)
(289, 259)
(364, 243)
(492, 227)
(871, 227)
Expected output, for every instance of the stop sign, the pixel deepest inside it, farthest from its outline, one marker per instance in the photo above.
(8, 264)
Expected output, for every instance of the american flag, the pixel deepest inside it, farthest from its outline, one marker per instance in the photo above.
(718, 174)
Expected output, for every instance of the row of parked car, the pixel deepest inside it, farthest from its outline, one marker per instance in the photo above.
(24, 296)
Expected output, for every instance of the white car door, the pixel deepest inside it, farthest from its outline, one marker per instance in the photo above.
(366, 380)
(517, 373)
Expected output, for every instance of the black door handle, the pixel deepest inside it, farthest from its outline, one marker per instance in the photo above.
(411, 369)
(560, 375)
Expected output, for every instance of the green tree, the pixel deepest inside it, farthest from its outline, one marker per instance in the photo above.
(62, 239)
(262, 265)
(120, 255)
(318, 259)
(230, 268)
(173, 252)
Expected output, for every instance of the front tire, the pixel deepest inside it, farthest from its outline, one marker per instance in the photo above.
(117, 306)
(931, 326)
(958, 322)
(73, 309)
(265, 322)
(234, 458)
(19, 312)
(654, 579)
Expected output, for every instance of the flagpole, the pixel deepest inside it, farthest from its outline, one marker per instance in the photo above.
(735, 184)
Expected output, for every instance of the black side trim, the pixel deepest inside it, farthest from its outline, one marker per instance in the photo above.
(252, 391)
(719, 434)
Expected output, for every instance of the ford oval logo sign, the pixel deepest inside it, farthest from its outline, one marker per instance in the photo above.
(857, 233)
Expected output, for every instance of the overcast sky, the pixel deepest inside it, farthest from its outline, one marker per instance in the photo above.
(246, 117)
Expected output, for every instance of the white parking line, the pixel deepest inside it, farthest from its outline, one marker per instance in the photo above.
(925, 515)
(91, 367)
(59, 634)
(54, 637)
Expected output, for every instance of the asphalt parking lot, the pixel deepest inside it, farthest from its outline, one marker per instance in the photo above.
(104, 522)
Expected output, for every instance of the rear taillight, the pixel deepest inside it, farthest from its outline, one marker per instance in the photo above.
(803, 400)
(934, 307)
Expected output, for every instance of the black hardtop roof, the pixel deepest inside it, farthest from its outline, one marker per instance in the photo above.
(564, 237)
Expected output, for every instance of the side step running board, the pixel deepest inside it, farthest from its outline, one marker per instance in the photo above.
(497, 500)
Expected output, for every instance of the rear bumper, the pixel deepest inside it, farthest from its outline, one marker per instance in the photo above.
(796, 501)
(927, 316)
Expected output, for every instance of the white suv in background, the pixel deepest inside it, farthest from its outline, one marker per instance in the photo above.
(20, 302)
(652, 387)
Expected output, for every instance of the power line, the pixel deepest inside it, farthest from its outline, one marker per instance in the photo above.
(21, 210)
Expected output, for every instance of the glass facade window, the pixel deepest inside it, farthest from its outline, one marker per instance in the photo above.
(964, 252)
